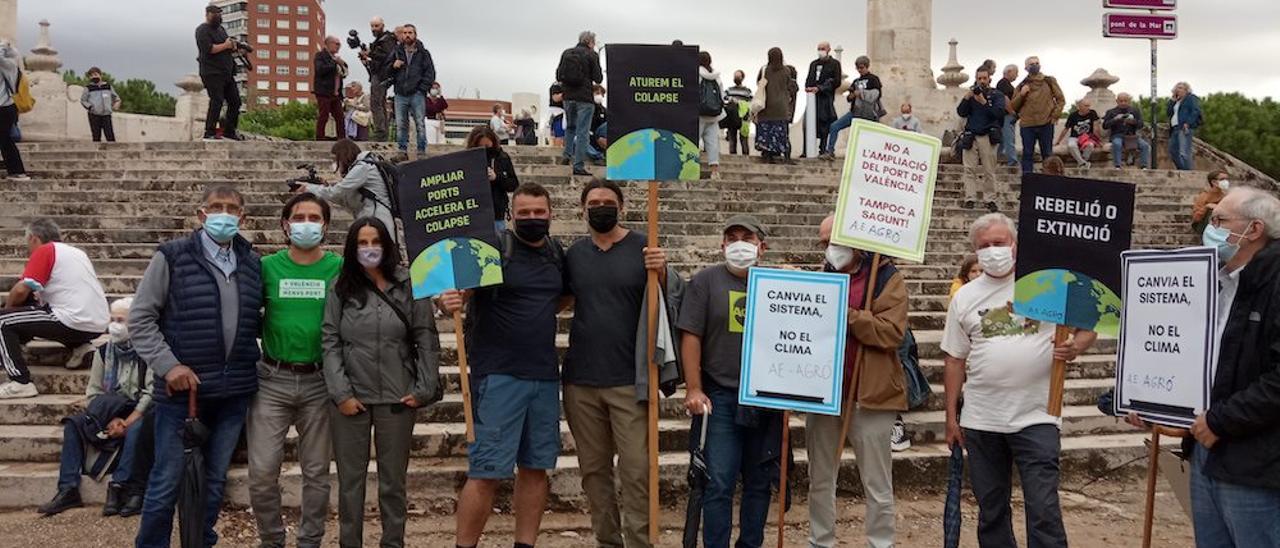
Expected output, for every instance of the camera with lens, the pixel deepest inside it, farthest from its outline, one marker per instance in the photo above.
(353, 41)
(978, 89)
(308, 177)
(243, 47)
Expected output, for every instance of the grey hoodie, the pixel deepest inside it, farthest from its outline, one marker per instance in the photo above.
(8, 74)
(366, 348)
(99, 99)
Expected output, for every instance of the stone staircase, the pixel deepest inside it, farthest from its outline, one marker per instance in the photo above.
(117, 201)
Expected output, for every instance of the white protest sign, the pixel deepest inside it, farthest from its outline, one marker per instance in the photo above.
(886, 190)
(1168, 334)
(793, 340)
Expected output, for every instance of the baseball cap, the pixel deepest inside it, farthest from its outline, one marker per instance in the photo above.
(212, 9)
(748, 222)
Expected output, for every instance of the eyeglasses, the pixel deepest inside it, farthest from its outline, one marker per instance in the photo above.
(1216, 220)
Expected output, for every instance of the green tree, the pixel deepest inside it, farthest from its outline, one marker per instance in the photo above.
(136, 95)
(294, 121)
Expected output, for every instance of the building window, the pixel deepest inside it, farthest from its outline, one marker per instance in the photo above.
(282, 86)
(282, 23)
(282, 101)
(263, 100)
(302, 86)
(264, 23)
(303, 25)
(263, 69)
(304, 56)
(304, 10)
(262, 54)
(282, 70)
(264, 85)
(282, 54)
(282, 40)
(264, 39)
(303, 71)
(304, 41)
(263, 8)
(282, 9)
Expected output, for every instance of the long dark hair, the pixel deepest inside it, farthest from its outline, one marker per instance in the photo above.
(345, 152)
(352, 281)
(482, 132)
(775, 58)
(704, 60)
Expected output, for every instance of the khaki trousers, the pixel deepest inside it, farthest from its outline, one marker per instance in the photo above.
(985, 183)
(607, 422)
(869, 435)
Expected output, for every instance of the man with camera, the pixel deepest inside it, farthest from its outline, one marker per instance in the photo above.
(1124, 121)
(374, 57)
(218, 73)
(983, 109)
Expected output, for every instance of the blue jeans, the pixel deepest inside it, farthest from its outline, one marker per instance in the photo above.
(72, 461)
(224, 418)
(1008, 148)
(1030, 137)
(1117, 151)
(577, 138)
(837, 126)
(413, 106)
(1229, 515)
(1180, 148)
(733, 451)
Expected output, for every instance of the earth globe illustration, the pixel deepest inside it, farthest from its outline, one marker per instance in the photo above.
(653, 154)
(1088, 303)
(455, 263)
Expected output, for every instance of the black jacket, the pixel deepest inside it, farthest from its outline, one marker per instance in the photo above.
(1244, 405)
(213, 64)
(825, 74)
(379, 51)
(504, 184)
(1120, 126)
(327, 80)
(417, 74)
(580, 91)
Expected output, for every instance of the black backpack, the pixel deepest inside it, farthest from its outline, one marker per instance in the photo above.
(390, 174)
(731, 118)
(575, 68)
(710, 102)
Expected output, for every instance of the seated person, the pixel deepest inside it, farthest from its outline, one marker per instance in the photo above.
(1124, 121)
(119, 394)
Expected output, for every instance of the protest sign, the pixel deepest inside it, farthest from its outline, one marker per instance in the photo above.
(1168, 341)
(1070, 236)
(793, 340)
(653, 113)
(447, 210)
(886, 190)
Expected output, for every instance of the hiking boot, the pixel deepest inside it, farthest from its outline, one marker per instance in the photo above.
(898, 439)
(81, 357)
(63, 501)
(115, 494)
(13, 390)
(132, 506)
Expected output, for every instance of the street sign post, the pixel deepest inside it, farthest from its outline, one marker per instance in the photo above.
(1153, 5)
(1140, 25)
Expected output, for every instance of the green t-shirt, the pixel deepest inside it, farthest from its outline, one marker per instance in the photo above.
(295, 305)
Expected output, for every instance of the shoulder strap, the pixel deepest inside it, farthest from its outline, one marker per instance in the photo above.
(408, 326)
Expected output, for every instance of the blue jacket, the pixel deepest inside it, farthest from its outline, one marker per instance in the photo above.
(417, 74)
(1188, 112)
(982, 119)
(192, 319)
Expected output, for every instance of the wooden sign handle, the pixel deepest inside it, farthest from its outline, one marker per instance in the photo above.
(651, 344)
(1058, 377)
(846, 413)
(464, 376)
(1153, 471)
(782, 478)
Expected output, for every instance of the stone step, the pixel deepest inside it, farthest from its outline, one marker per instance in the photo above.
(433, 482)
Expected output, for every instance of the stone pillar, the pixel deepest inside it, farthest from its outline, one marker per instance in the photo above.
(952, 76)
(1098, 83)
(899, 40)
(192, 106)
(9, 21)
(48, 121)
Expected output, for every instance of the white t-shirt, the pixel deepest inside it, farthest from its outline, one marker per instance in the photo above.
(1009, 358)
(63, 278)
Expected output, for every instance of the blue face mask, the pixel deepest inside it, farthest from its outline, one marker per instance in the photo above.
(222, 227)
(306, 235)
(1216, 237)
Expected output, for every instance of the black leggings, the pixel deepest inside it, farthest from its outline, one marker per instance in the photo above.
(221, 89)
(9, 149)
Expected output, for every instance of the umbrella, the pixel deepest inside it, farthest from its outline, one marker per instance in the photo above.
(951, 512)
(697, 484)
(191, 494)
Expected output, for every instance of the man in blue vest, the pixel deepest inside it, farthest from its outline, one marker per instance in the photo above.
(196, 320)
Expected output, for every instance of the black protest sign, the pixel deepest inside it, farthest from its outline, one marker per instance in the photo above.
(1071, 233)
(653, 112)
(447, 210)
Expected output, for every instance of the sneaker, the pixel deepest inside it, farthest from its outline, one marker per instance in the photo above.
(115, 496)
(898, 439)
(827, 156)
(581, 172)
(211, 138)
(969, 204)
(992, 207)
(233, 137)
(563, 160)
(81, 357)
(132, 506)
(20, 177)
(13, 390)
(63, 501)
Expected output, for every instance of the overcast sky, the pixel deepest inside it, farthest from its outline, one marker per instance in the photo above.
(503, 46)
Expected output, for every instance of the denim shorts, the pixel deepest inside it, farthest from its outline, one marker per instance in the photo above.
(557, 126)
(517, 422)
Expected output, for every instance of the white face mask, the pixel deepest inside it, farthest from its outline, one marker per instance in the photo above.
(599, 99)
(906, 116)
(119, 332)
(824, 54)
(741, 255)
(997, 262)
(1224, 184)
(839, 256)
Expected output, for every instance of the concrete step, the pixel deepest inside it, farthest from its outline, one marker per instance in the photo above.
(433, 482)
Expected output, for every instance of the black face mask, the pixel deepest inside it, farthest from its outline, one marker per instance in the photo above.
(96, 79)
(217, 20)
(532, 230)
(602, 218)
(492, 153)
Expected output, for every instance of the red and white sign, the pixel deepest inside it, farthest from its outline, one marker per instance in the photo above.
(1159, 5)
(1139, 25)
